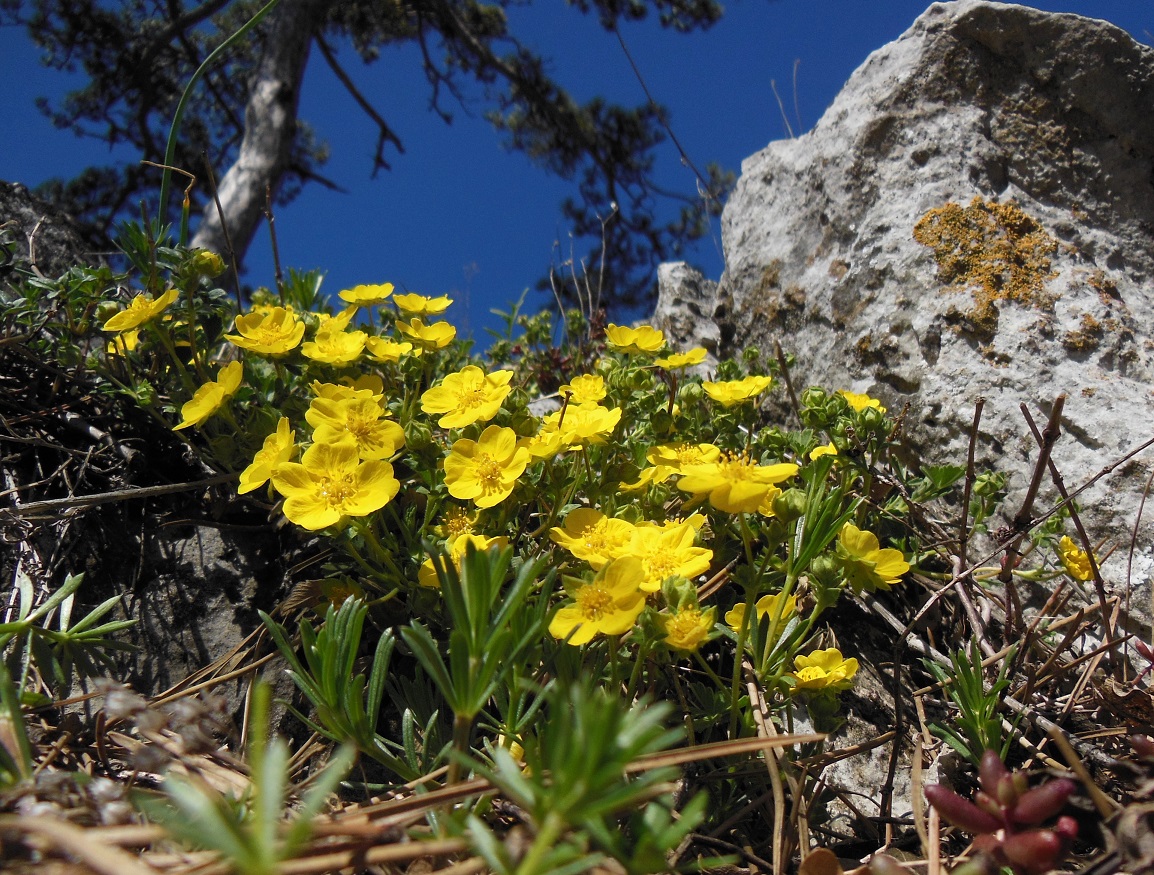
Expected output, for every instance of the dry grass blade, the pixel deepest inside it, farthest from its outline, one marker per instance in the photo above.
(75, 842)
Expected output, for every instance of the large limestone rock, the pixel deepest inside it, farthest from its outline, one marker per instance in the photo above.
(972, 217)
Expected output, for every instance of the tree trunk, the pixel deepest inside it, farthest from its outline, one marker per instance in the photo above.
(270, 120)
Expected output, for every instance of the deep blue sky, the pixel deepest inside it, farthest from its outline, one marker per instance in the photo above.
(458, 214)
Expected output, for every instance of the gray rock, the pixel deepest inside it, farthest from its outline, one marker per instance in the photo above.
(32, 231)
(973, 217)
(685, 302)
(1024, 139)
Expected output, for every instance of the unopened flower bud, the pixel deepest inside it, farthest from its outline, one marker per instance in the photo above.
(789, 505)
(690, 392)
(662, 423)
(207, 263)
(105, 310)
(418, 435)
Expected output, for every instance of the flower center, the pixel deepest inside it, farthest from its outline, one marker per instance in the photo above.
(489, 472)
(474, 397)
(337, 490)
(593, 602)
(661, 566)
(684, 624)
(812, 673)
(735, 467)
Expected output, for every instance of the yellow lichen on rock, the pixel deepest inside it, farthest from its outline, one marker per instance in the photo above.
(995, 250)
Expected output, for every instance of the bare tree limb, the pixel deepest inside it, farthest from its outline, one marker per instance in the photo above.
(270, 125)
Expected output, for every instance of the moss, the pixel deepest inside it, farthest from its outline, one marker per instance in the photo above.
(994, 250)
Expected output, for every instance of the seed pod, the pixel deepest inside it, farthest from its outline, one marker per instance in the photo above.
(991, 770)
(1036, 850)
(961, 812)
(1043, 802)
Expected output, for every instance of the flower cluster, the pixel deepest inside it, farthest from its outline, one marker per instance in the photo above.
(643, 488)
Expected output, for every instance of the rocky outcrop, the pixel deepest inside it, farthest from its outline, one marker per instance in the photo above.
(34, 234)
(972, 217)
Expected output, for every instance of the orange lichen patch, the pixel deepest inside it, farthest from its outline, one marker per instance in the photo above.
(996, 251)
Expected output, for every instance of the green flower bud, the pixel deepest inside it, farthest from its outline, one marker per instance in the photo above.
(418, 435)
(105, 310)
(690, 393)
(789, 505)
(662, 423)
(207, 263)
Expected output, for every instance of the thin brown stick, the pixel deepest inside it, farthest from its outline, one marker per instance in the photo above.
(1075, 517)
(971, 478)
(785, 379)
(224, 231)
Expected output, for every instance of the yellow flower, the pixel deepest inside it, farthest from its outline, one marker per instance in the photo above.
(829, 449)
(272, 332)
(688, 629)
(457, 522)
(731, 392)
(485, 470)
(823, 670)
(124, 343)
(586, 389)
(364, 386)
(546, 443)
(640, 340)
(427, 573)
(694, 356)
(330, 482)
(733, 483)
(338, 322)
(362, 418)
(867, 567)
(668, 552)
(764, 607)
(1074, 559)
(366, 295)
(385, 350)
(670, 459)
(335, 346)
(470, 395)
(584, 423)
(860, 402)
(278, 447)
(607, 605)
(208, 398)
(140, 310)
(427, 337)
(590, 535)
(419, 305)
